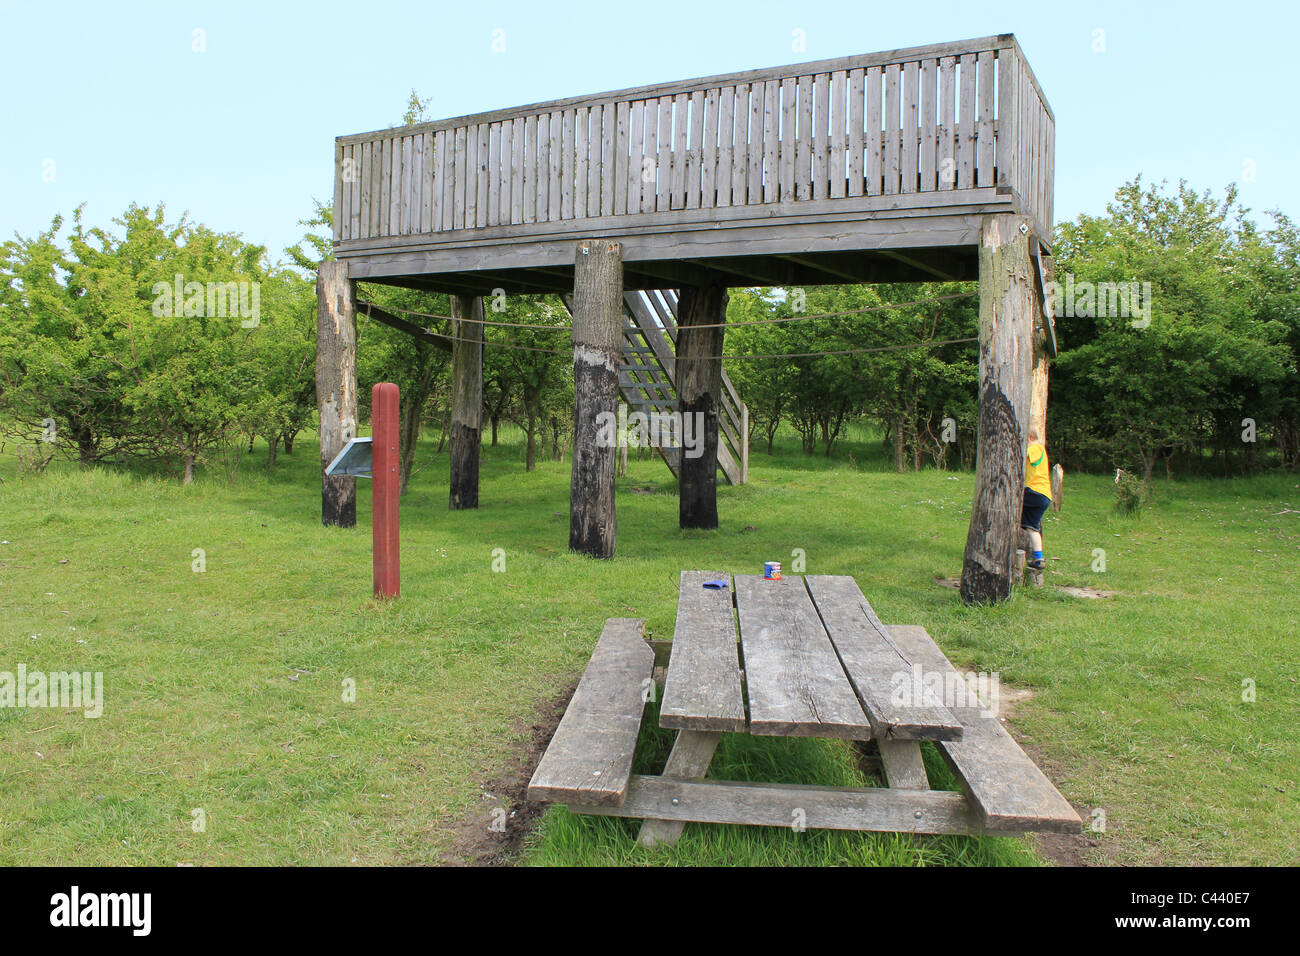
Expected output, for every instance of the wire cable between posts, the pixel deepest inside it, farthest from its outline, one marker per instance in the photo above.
(742, 356)
(715, 325)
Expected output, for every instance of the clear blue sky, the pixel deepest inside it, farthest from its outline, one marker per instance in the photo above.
(241, 136)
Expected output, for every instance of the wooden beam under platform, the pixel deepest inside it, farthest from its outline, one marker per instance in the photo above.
(384, 317)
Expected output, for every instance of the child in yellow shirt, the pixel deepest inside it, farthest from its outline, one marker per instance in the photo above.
(1038, 497)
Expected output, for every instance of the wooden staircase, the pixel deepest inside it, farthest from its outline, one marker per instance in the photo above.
(647, 379)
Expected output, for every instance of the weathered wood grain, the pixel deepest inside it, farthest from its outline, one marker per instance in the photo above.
(589, 759)
(929, 120)
(893, 131)
(803, 159)
(726, 133)
(838, 134)
(856, 105)
(871, 809)
(1005, 377)
(1010, 793)
(904, 767)
(518, 163)
(740, 145)
(754, 149)
(911, 126)
(467, 401)
(650, 155)
(748, 76)
(609, 135)
(771, 141)
(872, 168)
(702, 690)
(709, 150)
(698, 377)
(630, 175)
(597, 341)
(336, 385)
(690, 758)
(694, 150)
(966, 118)
(793, 677)
(881, 676)
(820, 136)
(946, 154)
(984, 147)
(779, 135)
(789, 107)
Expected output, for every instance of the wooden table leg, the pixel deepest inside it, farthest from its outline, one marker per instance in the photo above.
(904, 768)
(691, 755)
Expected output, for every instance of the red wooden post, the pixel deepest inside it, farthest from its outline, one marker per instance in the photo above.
(387, 492)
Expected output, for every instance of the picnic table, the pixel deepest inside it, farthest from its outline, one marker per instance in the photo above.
(804, 656)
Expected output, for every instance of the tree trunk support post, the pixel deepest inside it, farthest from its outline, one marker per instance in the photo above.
(386, 472)
(1042, 358)
(467, 400)
(1006, 287)
(597, 335)
(699, 395)
(336, 386)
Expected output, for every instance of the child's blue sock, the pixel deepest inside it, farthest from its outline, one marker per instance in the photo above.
(1038, 555)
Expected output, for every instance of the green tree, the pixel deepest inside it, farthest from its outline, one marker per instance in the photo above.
(1203, 355)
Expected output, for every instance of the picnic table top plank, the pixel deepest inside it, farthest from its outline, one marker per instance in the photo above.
(1010, 793)
(702, 690)
(589, 759)
(795, 683)
(875, 666)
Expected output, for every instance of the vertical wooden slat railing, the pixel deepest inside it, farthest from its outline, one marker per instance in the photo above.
(933, 119)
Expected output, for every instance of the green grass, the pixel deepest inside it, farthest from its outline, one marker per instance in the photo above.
(1137, 701)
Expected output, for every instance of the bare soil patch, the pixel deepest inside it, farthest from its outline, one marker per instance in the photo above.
(494, 833)
(1092, 593)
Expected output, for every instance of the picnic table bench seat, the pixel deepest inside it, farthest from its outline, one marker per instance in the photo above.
(799, 657)
(589, 760)
(1010, 793)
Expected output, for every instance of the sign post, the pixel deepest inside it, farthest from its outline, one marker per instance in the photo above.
(387, 490)
(376, 457)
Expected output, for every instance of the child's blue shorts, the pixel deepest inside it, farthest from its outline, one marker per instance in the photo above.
(1031, 513)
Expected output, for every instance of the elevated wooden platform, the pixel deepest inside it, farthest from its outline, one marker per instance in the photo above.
(929, 163)
(869, 168)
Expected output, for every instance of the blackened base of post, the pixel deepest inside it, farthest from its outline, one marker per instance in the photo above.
(699, 394)
(467, 401)
(597, 332)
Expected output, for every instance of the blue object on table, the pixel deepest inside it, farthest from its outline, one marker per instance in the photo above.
(719, 585)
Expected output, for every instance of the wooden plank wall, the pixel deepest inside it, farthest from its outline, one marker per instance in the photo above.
(955, 120)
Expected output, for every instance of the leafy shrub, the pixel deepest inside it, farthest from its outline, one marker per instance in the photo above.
(1130, 492)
